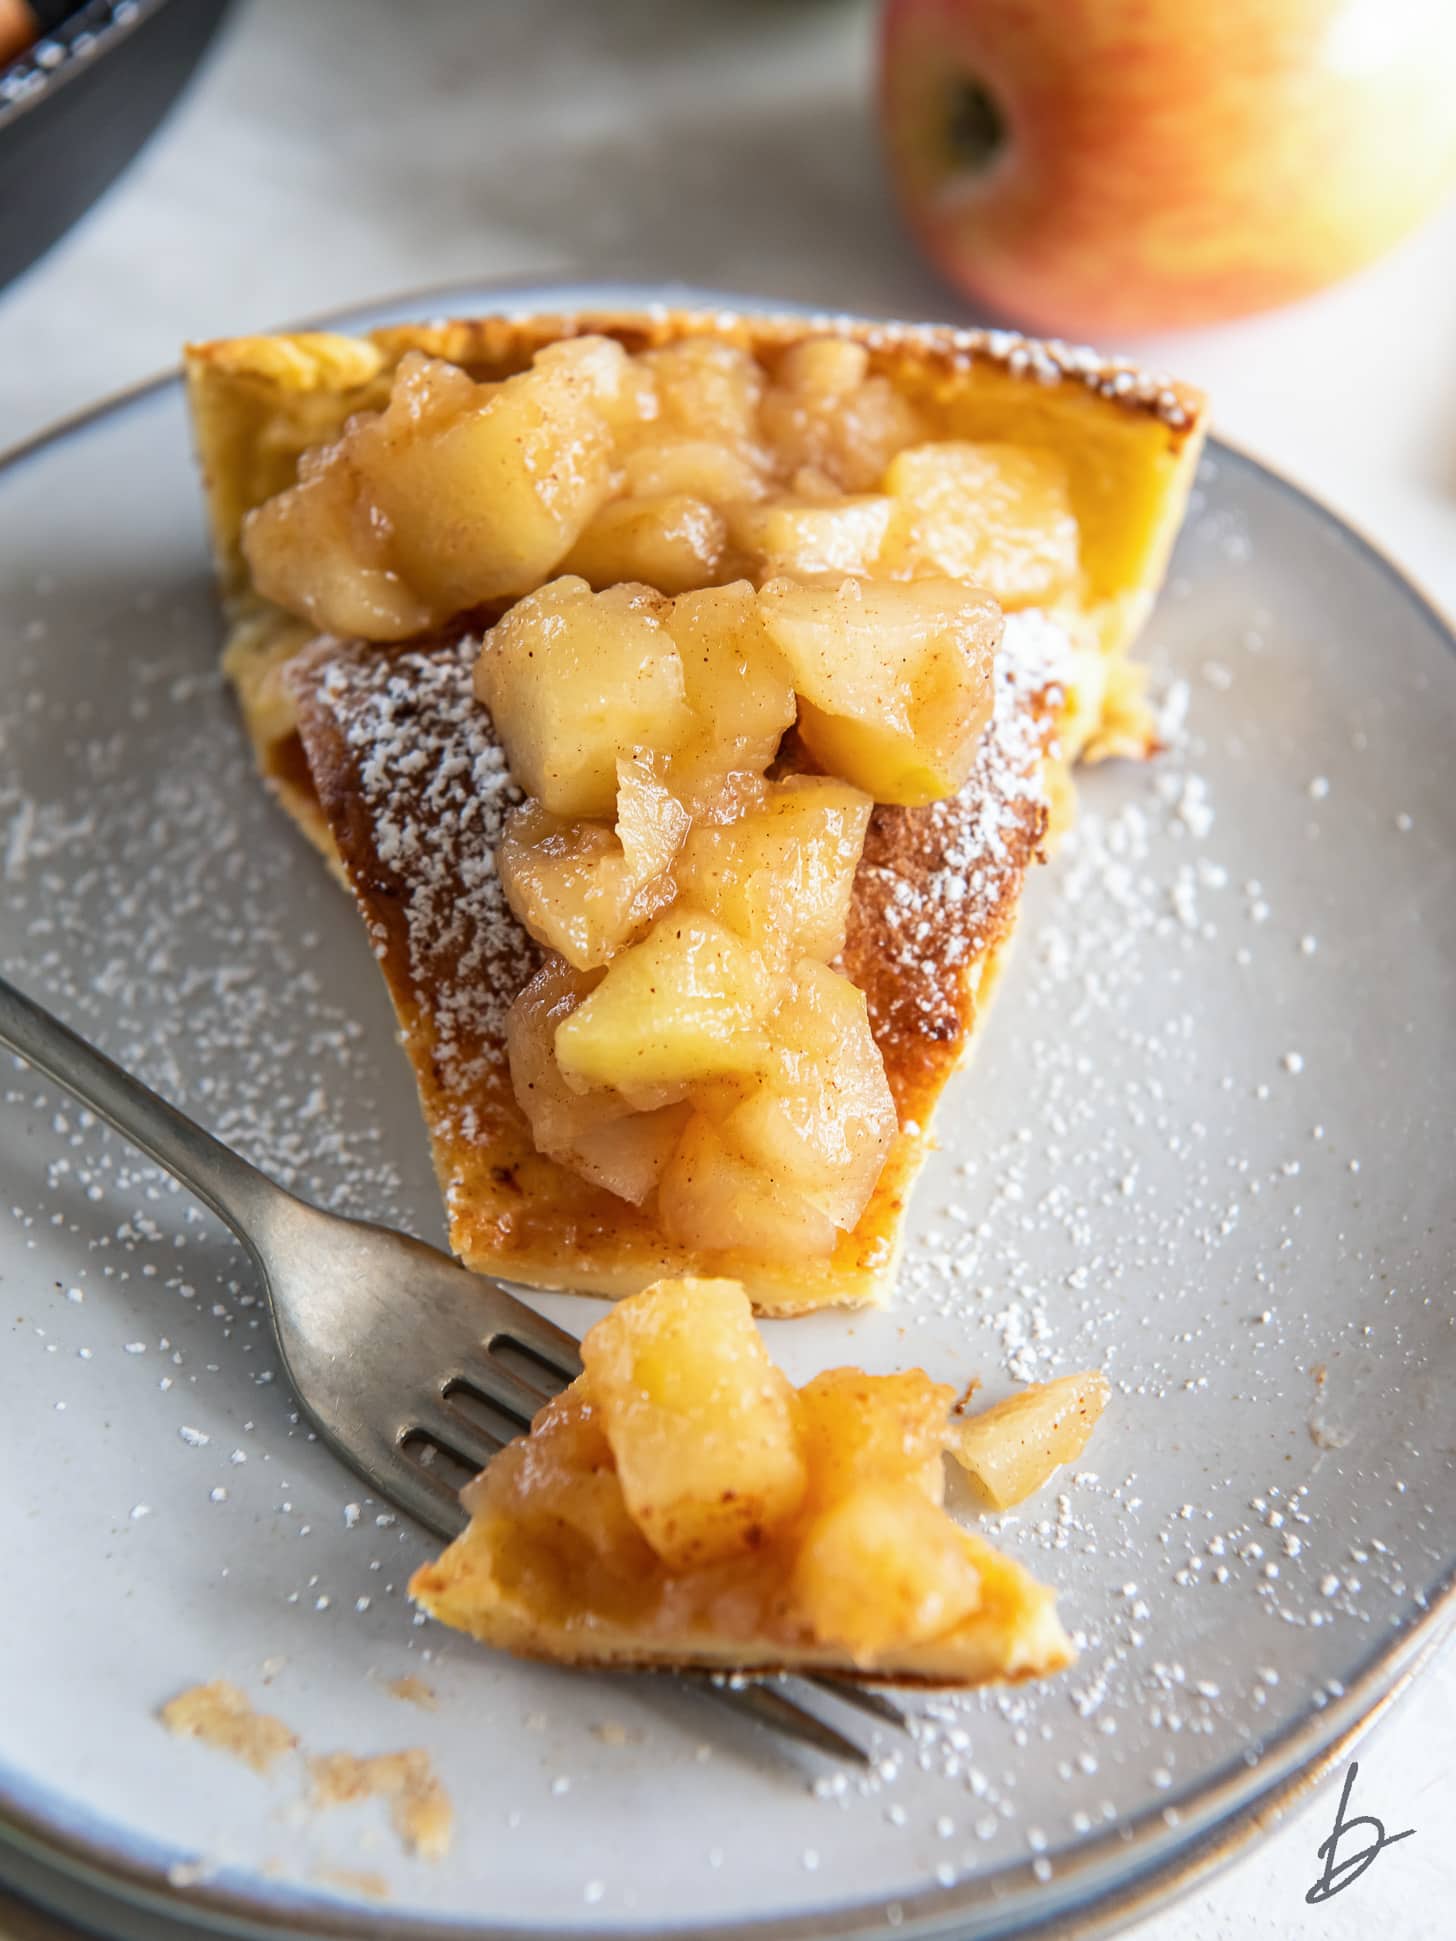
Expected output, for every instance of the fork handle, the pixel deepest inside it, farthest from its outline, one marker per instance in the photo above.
(234, 1189)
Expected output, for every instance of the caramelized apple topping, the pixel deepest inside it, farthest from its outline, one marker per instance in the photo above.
(604, 1135)
(681, 1503)
(782, 870)
(583, 889)
(701, 551)
(699, 1421)
(712, 911)
(574, 680)
(688, 1034)
(894, 680)
(689, 466)
(455, 494)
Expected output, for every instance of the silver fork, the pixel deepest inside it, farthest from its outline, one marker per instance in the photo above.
(394, 1351)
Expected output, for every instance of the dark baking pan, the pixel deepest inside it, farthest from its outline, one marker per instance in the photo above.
(77, 105)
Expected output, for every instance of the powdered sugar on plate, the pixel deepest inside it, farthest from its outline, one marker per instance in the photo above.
(436, 790)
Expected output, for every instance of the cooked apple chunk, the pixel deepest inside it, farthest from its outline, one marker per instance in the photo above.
(566, 884)
(829, 421)
(883, 1565)
(1012, 1448)
(1000, 515)
(700, 468)
(651, 823)
(737, 687)
(601, 1135)
(574, 682)
(706, 390)
(782, 873)
(672, 541)
(682, 1505)
(713, 1200)
(484, 495)
(859, 1429)
(582, 889)
(455, 494)
(894, 678)
(819, 1117)
(558, 1495)
(699, 1420)
(686, 1003)
(314, 550)
(780, 1155)
(810, 538)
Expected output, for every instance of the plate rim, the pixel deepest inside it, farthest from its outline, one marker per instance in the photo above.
(1127, 1872)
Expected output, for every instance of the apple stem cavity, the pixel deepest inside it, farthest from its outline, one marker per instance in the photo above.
(975, 127)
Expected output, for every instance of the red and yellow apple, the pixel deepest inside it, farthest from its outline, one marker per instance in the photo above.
(1122, 165)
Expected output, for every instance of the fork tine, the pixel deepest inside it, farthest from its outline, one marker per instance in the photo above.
(768, 1706)
(470, 1445)
(875, 1704)
(498, 1385)
(558, 1350)
(400, 1479)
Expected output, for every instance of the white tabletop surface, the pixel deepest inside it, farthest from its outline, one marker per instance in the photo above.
(347, 149)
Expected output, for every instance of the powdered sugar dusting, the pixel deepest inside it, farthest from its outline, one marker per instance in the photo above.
(984, 826)
(938, 885)
(434, 785)
(432, 780)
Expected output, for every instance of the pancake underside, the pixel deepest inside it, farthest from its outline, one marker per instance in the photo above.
(414, 788)
(478, 1587)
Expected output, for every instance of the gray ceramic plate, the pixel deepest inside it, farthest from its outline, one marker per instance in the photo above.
(1207, 1144)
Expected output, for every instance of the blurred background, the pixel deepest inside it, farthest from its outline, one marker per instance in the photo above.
(1147, 173)
(331, 151)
